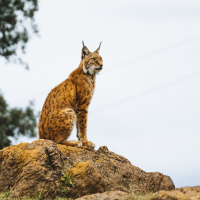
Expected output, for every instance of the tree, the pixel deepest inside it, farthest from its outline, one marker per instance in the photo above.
(15, 122)
(16, 18)
(16, 23)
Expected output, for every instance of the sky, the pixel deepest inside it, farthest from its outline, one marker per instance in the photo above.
(146, 102)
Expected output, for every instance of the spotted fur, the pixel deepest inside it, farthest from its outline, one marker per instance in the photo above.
(67, 104)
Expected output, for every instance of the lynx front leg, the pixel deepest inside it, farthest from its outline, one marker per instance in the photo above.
(81, 125)
(77, 129)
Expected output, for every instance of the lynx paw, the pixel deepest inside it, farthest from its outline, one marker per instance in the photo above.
(79, 144)
(89, 144)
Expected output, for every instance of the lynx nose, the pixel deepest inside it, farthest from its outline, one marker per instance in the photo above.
(101, 66)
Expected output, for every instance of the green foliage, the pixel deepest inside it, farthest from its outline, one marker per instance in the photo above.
(15, 122)
(5, 195)
(16, 18)
(39, 197)
(66, 181)
(63, 190)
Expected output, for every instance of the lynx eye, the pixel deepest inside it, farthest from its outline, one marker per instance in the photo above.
(94, 59)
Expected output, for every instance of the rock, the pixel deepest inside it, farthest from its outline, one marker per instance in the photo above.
(184, 193)
(109, 195)
(98, 171)
(31, 169)
(86, 179)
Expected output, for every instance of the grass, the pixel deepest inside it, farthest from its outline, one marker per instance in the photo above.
(60, 198)
(134, 194)
(39, 197)
(5, 196)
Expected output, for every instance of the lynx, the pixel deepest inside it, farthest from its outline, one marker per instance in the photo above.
(68, 103)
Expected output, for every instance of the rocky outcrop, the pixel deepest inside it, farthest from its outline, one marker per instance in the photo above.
(184, 193)
(50, 169)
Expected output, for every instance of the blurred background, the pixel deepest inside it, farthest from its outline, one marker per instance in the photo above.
(146, 105)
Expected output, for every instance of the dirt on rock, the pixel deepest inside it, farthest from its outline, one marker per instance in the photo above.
(57, 170)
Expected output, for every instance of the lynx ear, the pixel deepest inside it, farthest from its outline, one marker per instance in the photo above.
(97, 51)
(85, 51)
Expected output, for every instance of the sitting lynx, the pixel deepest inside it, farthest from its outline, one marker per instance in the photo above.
(68, 103)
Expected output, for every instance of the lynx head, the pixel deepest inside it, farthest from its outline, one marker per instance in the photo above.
(92, 61)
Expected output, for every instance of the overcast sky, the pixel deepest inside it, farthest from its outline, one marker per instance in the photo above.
(146, 106)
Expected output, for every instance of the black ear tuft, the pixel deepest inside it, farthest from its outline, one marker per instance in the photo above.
(85, 51)
(97, 51)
